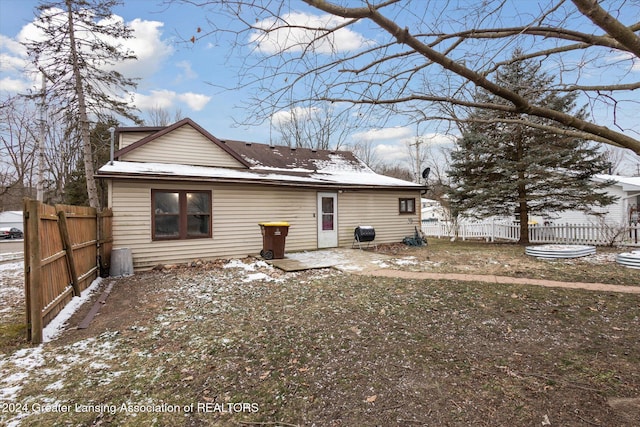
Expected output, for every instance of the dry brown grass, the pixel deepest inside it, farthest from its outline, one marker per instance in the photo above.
(507, 259)
(328, 348)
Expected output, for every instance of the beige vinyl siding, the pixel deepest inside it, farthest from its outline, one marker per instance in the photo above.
(128, 138)
(379, 209)
(236, 212)
(184, 145)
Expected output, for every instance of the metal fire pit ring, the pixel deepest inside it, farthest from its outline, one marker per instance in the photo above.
(560, 251)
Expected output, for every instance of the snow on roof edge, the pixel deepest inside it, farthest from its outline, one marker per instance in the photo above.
(349, 177)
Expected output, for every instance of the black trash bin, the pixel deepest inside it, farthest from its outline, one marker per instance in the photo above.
(273, 238)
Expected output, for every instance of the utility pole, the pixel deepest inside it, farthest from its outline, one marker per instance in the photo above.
(41, 138)
(417, 144)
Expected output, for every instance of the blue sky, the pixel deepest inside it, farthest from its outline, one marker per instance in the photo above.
(175, 74)
(179, 75)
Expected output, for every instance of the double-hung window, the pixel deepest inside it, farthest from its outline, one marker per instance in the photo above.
(180, 214)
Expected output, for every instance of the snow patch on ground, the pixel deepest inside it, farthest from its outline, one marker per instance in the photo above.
(12, 266)
(257, 276)
(255, 270)
(382, 264)
(253, 266)
(11, 281)
(410, 260)
(57, 325)
(98, 352)
(23, 362)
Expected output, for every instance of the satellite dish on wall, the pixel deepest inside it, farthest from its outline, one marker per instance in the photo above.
(425, 173)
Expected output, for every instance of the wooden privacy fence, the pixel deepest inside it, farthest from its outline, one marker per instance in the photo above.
(592, 234)
(65, 249)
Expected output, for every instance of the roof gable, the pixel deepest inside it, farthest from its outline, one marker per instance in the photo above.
(183, 142)
(181, 158)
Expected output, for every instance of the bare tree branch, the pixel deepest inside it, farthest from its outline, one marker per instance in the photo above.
(521, 105)
(622, 34)
(432, 57)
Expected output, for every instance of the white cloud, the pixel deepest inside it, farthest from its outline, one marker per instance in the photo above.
(187, 70)
(626, 56)
(11, 63)
(148, 46)
(157, 99)
(14, 85)
(32, 33)
(12, 57)
(384, 134)
(195, 101)
(296, 31)
(300, 113)
(391, 153)
(167, 99)
(391, 145)
(438, 139)
(11, 45)
(402, 135)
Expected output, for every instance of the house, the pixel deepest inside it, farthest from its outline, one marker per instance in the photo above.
(623, 211)
(178, 193)
(432, 211)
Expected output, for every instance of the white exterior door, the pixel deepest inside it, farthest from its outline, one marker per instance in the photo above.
(327, 220)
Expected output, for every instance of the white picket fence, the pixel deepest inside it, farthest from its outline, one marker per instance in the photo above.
(592, 234)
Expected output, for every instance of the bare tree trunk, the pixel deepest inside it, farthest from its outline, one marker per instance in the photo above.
(85, 131)
(522, 194)
(524, 215)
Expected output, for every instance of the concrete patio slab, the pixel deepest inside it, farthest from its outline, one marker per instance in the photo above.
(345, 259)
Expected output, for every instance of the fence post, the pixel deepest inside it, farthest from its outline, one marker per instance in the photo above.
(66, 240)
(34, 300)
(105, 238)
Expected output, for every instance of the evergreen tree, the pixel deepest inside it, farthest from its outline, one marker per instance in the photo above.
(504, 167)
(77, 55)
(75, 189)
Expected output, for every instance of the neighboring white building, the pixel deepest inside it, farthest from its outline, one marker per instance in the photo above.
(621, 212)
(11, 219)
(624, 211)
(432, 210)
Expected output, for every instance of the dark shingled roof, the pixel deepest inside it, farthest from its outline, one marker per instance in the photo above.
(261, 156)
(264, 164)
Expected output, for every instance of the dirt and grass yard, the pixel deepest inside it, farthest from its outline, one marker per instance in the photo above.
(241, 343)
